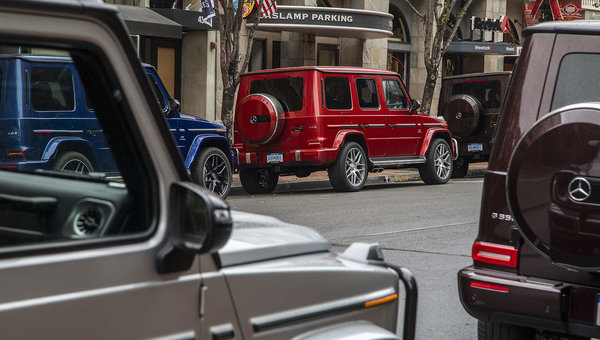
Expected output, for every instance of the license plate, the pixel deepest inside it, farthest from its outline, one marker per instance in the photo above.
(274, 158)
(473, 147)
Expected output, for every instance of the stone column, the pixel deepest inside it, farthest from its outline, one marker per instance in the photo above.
(198, 77)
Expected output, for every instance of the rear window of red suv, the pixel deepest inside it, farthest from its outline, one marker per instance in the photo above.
(288, 91)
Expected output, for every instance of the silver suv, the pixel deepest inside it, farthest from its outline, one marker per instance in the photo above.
(145, 253)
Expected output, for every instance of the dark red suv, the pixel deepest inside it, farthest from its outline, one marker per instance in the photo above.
(350, 121)
(536, 258)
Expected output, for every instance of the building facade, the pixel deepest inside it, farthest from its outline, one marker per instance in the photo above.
(383, 34)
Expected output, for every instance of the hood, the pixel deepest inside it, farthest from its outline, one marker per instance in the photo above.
(193, 121)
(257, 238)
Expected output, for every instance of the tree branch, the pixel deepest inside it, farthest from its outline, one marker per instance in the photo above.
(459, 17)
(419, 14)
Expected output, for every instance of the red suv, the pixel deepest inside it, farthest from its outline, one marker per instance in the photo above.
(350, 121)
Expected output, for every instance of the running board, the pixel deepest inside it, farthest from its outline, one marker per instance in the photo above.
(398, 160)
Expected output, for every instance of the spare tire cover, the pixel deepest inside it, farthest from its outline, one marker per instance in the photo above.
(553, 186)
(462, 114)
(259, 119)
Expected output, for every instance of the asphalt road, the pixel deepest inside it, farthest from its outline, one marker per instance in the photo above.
(427, 229)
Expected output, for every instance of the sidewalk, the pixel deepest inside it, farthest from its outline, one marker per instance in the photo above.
(319, 180)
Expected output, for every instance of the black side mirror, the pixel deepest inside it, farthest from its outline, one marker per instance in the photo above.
(174, 105)
(414, 106)
(201, 223)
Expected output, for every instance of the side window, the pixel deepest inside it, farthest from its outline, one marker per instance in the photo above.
(394, 96)
(578, 80)
(367, 93)
(337, 93)
(68, 180)
(52, 89)
(157, 92)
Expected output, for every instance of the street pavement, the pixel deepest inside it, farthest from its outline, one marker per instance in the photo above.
(319, 180)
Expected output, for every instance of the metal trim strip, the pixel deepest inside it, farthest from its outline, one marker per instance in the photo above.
(270, 321)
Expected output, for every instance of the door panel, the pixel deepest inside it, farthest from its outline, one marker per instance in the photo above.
(403, 133)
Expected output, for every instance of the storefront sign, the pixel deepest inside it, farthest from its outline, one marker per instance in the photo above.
(485, 24)
(329, 21)
(482, 47)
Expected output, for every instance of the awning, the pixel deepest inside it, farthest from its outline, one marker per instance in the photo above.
(144, 21)
(482, 47)
(329, 22)
(189, 20)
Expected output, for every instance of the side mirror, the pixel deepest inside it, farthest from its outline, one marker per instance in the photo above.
(200, 223)
(174, 105)
(414, 106)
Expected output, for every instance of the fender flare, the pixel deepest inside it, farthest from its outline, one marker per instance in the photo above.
(341, 137)
(55, 143)
(430, 134)
(196, 146)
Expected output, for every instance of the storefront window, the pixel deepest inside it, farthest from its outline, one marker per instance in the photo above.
(328, 55)
(397, 24)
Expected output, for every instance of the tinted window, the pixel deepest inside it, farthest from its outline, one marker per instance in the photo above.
(337, 93)
(394, 96)
(578, 80)
(367, 93)
(287, 90)
(157, 92)
(486, 91)
(52, 89)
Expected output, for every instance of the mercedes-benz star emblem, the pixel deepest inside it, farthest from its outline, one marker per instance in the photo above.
(579, 189)
(254, 119)
(459, 115)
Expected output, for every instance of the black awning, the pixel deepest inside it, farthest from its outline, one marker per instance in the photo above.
(482, 47)
(144, 21)
(189, 20)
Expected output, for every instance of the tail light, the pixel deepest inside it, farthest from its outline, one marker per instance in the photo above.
(15, 153)
(495, 254)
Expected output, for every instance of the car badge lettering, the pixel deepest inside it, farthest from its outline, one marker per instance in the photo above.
(580, 189)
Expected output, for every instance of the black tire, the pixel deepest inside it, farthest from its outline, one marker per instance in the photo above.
(349, 172)
(438, 165)
(501, 331)
(72, 161)
(460, 167)
(258, 181)
(212, 170)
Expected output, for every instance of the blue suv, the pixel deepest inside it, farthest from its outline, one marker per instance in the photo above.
(47, 122)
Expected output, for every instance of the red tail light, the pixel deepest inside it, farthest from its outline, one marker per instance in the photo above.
(15, 153)
(495, 254)
(488, 286)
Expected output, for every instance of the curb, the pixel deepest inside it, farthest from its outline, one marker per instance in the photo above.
(324, 184)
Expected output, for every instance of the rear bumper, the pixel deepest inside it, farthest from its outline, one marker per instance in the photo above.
(496, 296)
(293, 158)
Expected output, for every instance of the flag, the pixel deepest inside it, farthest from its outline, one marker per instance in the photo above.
(268, 8)
(505, 25)
(208, 10)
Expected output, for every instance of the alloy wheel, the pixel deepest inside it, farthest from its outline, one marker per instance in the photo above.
(216, 175)
(75, 165)
(355, 167)
(442, 161)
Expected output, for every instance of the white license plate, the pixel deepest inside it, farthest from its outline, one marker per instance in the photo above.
(473, 147)
(274, 158)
